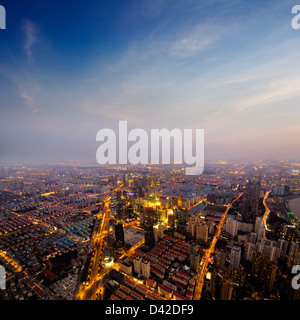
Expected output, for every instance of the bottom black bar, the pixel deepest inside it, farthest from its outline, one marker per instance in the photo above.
(145, 309)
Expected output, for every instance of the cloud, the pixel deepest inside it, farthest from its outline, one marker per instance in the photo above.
(27, 87)
(31, 37)
(275, 91)
(196, 40)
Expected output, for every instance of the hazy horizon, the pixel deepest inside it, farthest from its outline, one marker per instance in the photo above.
(70, 69)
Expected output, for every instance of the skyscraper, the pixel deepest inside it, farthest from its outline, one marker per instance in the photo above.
(194, 256)
(250, 201)
(119, 233)
(202, 231)
(146, 268)
(171, 219)
(259, 228)
(137, 264)
(221, 286)
(264, 270)
(231, 226)
(235, 257)
(149, 236)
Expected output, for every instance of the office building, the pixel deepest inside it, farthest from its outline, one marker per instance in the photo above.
(119, 233)
(137, 263)
(231, 226)
(221, 286)
(149, 236)
(146, 268)
(250, 201)
(235, 257)
(264, 270)
(202, 231)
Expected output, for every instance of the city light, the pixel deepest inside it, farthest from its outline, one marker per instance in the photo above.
(185, 247)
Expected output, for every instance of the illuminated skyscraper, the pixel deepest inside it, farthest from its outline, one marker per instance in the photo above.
(171, 219)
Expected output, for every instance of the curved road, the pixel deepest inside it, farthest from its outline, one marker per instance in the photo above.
(205, 260)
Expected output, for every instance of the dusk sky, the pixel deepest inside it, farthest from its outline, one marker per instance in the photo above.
(70, 68)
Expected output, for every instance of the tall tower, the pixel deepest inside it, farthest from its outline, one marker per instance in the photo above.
(250, 201)
(221, 286)
(264, 270)
(119, 233)
(149, 236)
(235, 257)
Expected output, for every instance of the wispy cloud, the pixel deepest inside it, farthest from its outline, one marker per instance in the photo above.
(27, 87)
(31, 37)
(196, 40)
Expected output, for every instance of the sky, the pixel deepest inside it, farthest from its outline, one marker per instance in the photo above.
(71, 68)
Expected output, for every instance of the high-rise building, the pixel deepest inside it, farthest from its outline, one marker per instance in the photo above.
(250, 201)
(221, 286)
(160, 231)
(202, 231)
(238, 276)
(142, 217)
(293, 255)
(264, 270)
(252, 237)
(171, 219)
(149, 236)
(258, 224)
(235, 257)
(290, 233)
(259, 229)
(146, 268)
(231, 226)
(198, 228)
(220, 258)
(137, 262)
(119, 233)
(250, 248)
(194, 256)
(283, 246)
(192, 225)
(113, 205)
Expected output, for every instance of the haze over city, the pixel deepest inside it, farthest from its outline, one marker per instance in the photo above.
(228, 67)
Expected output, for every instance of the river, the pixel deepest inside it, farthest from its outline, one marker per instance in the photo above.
(294, 206)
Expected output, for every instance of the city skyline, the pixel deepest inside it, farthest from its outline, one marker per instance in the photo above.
(228, 67)
(84, 232)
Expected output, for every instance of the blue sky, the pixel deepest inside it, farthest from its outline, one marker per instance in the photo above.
(68, 69)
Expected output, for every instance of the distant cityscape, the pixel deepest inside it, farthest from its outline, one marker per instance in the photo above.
(80, 231)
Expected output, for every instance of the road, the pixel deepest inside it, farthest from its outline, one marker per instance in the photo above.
(102, 234)
(267, 211)
(205, 260)
(98, 242)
